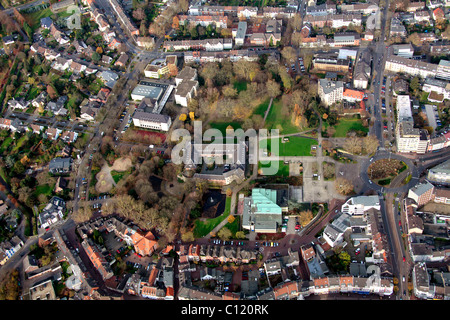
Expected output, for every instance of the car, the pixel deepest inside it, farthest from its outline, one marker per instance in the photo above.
(404, 279)
(404, 259)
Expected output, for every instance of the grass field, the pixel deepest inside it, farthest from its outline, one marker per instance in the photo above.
(240, 85)
(34, 18)
(117, 176)
(19, 143)
(5, 144)
(346, 125)
(261, 109)
(44, 189)
(222, 126)
(275, 120)
(297, 146)
(202, 228)
(283, 169)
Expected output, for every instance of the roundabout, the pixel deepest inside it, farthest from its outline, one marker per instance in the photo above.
(383, 155)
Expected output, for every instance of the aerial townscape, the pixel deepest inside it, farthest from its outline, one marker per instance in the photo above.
(112, 187)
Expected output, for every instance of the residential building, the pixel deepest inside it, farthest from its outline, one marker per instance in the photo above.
(330, 92)
(97, 259)
(206, 44)
(398, 64)
(422, 193)
(440, 174)
(410, 139)
(239, 38)
(60, 165)
(53, 212)
(358, 205)
(443, 70)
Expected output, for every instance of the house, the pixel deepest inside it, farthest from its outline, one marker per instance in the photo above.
(19, 103)
(39, 101)
(353, 95)
(61, 185)
(106, 59)
(46, 23)
(239, 37)
(52, 213)
(7, 40)
(79, 45)
(52, 133)
(69, 136)
(422, 193)
(422, 69)
(122, 61)
(60, 165)
(146, 42)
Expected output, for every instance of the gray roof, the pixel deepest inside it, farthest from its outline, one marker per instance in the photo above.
(242, 29)
(60, 164)
(153, 117)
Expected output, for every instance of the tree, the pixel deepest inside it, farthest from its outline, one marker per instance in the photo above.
(343, 186)
(305, 217)
(273, 89)
(289, 53)
(187, 237)
(345, 259)
(370, 144)
(240, 235)
(353, 145)
(224, 233)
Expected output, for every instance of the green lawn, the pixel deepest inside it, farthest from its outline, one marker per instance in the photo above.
(44, 189)
(275, 120)
(261, 109)
(5, 144)
(19, 143)
(346, 125)
(283, 169)
(202, 228)
(297, 146)
(35, 17)
(222, 126)
(117, 176)
(240, 85)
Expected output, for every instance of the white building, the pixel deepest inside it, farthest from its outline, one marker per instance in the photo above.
(152, 121)
(403, 50)
(240, 33)
(330, 91)
(412, 67)
(359, 205)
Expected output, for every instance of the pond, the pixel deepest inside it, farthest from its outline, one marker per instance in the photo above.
(156, 184)
(213, 203)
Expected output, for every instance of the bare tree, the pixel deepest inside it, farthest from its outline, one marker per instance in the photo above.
(343, 186)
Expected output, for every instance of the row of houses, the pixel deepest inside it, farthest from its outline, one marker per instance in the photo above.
(206, 44)
(293, 290)
(242, 11)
